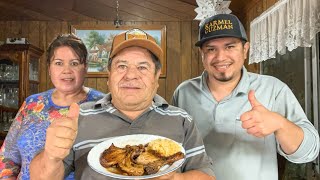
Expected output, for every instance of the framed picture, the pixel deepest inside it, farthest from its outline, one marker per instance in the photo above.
(98, 40)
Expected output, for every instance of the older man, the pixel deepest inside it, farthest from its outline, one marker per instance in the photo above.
(132, 107)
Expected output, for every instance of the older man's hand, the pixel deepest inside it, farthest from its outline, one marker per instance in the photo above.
(169, 176)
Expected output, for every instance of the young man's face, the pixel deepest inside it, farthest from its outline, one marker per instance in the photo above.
(132, 79)
(223, 58)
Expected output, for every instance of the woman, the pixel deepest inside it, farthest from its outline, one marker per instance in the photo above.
(66, 58)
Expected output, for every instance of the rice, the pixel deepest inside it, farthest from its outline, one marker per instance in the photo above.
(164, 147)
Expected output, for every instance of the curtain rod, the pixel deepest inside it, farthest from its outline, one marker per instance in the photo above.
(268, 11)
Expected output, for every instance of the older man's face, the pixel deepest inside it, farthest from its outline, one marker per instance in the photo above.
(132, 79)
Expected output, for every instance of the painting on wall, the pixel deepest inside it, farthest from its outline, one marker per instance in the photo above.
(98, 41)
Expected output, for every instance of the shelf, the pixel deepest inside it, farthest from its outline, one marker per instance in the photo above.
(9, 81)
(28, 60)
(10, 109)
(3, 134)
(2, 137)
(34, 82)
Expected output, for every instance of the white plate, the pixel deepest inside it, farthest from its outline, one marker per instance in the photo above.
(122, 141)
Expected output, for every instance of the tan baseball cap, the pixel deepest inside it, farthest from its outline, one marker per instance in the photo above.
(135, 37)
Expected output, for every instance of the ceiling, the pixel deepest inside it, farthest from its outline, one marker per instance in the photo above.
(104, 10)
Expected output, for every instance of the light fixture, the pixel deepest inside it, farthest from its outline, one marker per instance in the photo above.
(117, 22)
(208, 8)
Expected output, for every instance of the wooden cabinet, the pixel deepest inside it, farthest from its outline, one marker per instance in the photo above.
(19, 78)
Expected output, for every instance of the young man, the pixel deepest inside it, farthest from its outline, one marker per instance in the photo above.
(244, 118)
(131, 107)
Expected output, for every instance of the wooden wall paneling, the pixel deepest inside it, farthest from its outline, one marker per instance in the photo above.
(3, 29)
(173, 58)
(102, 85)
(196, 61)
(259, 8)
(43, 61)
(43, 35)
(162, 88)
(264, 6)
(186, 53)
(15, 29)
(270, 3)
(24, 32)
(250, 15)
(33, 28)
(65, 28)
(91, 82)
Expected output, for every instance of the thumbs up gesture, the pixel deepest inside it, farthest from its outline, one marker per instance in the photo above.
(61, 134)
(259, 121)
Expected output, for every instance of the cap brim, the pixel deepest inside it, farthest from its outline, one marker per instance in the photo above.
(203, 40)
(144, 43)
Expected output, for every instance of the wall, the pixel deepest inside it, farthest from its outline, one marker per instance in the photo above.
(183, 61)
(182, 56)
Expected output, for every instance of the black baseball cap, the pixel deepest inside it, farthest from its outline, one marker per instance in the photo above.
(221, 25)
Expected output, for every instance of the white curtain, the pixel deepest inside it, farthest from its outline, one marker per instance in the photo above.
(286, 25)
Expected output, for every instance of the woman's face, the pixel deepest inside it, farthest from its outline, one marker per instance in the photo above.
(65, 70)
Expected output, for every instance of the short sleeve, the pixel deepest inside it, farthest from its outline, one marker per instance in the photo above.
(196, 156)
(10, 160)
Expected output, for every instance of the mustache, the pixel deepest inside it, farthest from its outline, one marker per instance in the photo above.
(213, 63)
(130, 85)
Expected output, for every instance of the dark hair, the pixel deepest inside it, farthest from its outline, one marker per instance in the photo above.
(71, 41)
(243, 42)
(154, 58)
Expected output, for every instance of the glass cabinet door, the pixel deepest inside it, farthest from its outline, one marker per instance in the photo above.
(9, 83)
(33, 75)
(9, 92)
(33, 69)
(19, 78)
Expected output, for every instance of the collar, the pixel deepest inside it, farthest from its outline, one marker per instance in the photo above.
(243, 85)
(105, 102)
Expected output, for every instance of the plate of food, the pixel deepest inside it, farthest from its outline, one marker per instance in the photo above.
(138, 156)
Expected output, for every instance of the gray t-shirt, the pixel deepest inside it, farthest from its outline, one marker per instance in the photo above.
(235, 153)
(100, 120)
